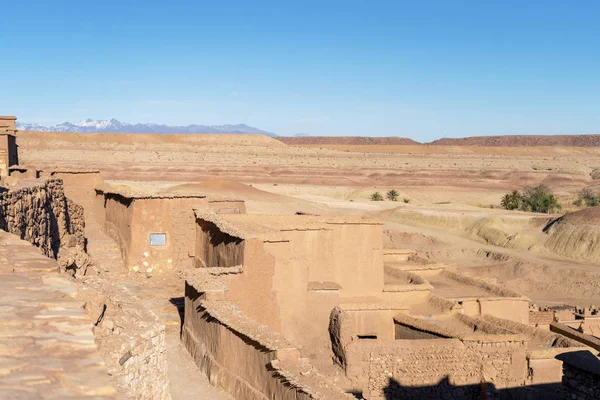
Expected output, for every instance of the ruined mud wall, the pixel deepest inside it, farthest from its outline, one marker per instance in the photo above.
(79, 186)
(118, 215)
(130, 338)
(43, 216)
(358, 259)
(252, 291)
(130, 221)
(440, 368)
(243, 356)
(215, 248)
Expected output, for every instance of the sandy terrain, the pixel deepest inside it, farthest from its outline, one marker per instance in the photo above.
(449, 190)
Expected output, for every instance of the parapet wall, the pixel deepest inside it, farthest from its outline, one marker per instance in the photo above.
(131, 339)
(43, 216)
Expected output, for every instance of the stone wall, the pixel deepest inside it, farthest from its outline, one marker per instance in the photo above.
(541, 317)
(581, 375)
(130, 338)
(440, 368)
(43, 216)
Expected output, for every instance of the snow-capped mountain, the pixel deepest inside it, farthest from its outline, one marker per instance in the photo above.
(112, 125)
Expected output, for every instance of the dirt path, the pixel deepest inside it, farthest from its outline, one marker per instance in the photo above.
(164, 296)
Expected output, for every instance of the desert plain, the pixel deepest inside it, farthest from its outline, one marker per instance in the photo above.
(448, 208)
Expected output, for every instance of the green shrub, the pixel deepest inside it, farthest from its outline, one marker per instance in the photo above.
(406, 200)
(534, 198)
(376, 196)
(392, 195)
(539, 199)
(587, 197)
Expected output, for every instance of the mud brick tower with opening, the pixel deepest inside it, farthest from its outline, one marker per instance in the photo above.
(8, 144)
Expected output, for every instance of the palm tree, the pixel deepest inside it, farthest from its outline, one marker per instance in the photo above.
(392, 195)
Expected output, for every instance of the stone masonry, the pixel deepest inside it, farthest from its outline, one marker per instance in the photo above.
(43, 216)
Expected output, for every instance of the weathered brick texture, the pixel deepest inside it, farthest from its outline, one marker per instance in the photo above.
(43, 216)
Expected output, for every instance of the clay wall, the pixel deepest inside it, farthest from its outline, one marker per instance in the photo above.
(253, 290)
(433, 368)
(514, 309)
(131, 221)
(130, 338)
(243, 356)
(80, 187)
(291, 284)
(350, 324)
(8, 144)
(118, 217)
(544, 346)
(306, 257)
(173, 216)
(43, 216)
(358, 259)
(8, 153)
(215, 248)
(541, 318)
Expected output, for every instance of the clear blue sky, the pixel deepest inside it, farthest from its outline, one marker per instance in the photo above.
(383, 68)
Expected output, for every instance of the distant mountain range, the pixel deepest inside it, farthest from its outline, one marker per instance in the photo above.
(112, 125)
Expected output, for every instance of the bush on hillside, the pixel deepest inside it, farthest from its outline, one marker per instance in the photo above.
(587, 197)
(534, 198)
(376, 196)
(539, 199)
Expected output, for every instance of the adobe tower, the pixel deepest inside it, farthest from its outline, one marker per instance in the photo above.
(8, 144)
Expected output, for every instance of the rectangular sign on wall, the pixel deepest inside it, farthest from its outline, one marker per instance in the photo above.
(158, 239)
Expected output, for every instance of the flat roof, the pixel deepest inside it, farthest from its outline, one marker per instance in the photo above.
(269, 227)
(8, 117)
(129, 193)
(241, 229)
(450, 326)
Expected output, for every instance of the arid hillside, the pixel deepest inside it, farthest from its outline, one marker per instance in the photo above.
(523, 140)
(347, 140)
(482, 141)
(576, 235)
